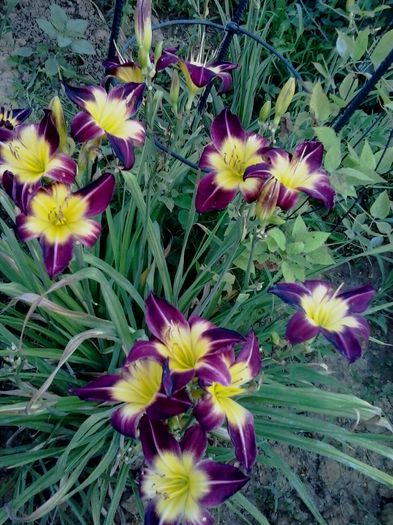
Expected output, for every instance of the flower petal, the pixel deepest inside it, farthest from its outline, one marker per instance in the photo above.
(81, 94)
(47, 129)
(6, 135)
(126, 419)
(160, 316)
(345, 342)
(249, 358)
(142, 349)
(242, 434)
(320, 189)
(123, 148)
(251, 189)
(167, 58)
(209, 414)
(23, 230)
(151, 517)
(213, 369)
(156, 439)
(204, 517)
(84, 127)
(210, 196)
(226, 126)
(287, 198)
(19, 193)
(310, 152)
(89, 235)
(98, 194)
(226, 82)
(56, 256)
(200, 75)
(204, 161)
(299, 329)
(224, 481)
(61, 168)
(259, 171)
(20, 115)
(359, 298)
(221, 338)
(131, 92)
(125, 72)
(194, 441)
(100, 389)
(290, 293)
(164, 406)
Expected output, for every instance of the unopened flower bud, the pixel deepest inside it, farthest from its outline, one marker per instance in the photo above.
(284, 99)
(143, 31)
(265, 111)
(58, 119)
(174, 90)
(267, 200)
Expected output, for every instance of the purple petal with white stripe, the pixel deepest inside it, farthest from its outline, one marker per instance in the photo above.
(321, 191)
(47, 129)
(250, 356)
(100, 389)
(194, 441)
(299, 329)
(213, 369)
(224, 481)
(126, 421)
(56, 256)
(142, 349)
(210, 196)
(131, 92)
(243, 438)
(287, 198)
(359, 298)
(19, 193)
(84, 128)
(160, 315)
(167, 58)
(155, 440)
(81, 94)
(204, 517)
(164, 407)
(22, 230)
(345, 342)
(290, 293)
(123, 148)
(98, 194)
(61, 168)
(226, 125)
(20, 115)
(222, 337)
(90, 238)
(208, 414)
(310, 152)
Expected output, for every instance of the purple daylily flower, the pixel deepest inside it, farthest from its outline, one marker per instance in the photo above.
(177, 484)
(10, 119)
(299, 172)
(139, 388)
(334, 314)
(218, 404)
(109, 114)
(192, 347)
(32, 154)
(232, 151)
(59, 218)
(21, 194)
(198, 75)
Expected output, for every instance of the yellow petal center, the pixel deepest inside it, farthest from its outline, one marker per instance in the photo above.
(292, 174)
(234, 157)
(109, 114)
(57, 215)
(177, 485)
(140, 385)
(184, 346)
(327, 311)
(27, 157)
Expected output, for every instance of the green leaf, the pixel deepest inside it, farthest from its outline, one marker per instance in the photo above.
(58, 17)
(299, 227)
(51, 66)
(278, 236)
(319, 103)
(381, 206)
(384, 227)
(47, 27)
(345, 45)
(63, 41)
(77, 25)
(83, 47)
(383, 48)
(314, 240)
(367, 158)
(22, 52)
(361, 43)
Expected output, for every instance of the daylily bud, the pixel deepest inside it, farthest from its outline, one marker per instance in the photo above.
(158, 51)
(58, 119)
(267, 200)
(349, 4)
(284, 99)
(265, 111)
(143, 31)
(174, 90)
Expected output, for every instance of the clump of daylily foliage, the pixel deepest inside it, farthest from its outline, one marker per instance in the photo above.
(176, 390)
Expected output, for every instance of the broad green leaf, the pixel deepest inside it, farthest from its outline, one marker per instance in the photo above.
(51, 66)
(367, 158)
(47, 27)
(58, 17)
(278, 236)
(314, 240)
(76, 25)
(319, 103)
(83, 47)
(381, 206)
(299, 227)
(22, 52)
(383, 48)
(63, 40)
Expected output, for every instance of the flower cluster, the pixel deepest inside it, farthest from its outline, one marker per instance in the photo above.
(187, 368)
